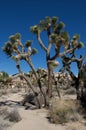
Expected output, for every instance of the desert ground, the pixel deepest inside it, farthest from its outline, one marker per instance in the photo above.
(31, 118)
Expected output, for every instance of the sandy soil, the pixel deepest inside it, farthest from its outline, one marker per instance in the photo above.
(37, 119)
(32, 119)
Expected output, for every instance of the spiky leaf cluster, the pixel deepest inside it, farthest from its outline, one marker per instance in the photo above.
(54, 38)
(35, 29)
(8, 48)
(54, 20)
(34, 51)
(12, 45)
(55, 32)
(75, 42)
(28, 43)
(53, 64)
(80, 45)
(18, 36)
(53, 28)
(44, 24)
(60, 25)
(14, 48)
(65, 37)
(14, 38)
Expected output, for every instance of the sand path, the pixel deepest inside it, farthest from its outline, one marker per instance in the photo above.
(32, 119)
(37, 119)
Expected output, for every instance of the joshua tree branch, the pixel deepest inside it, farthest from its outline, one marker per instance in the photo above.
(18, 66)
(23, 49)
(49, 47)
(31, 65)
(68, 60)
(41, 43)
(68, 51)
(21, 56)
(71, 74)
(62, 54)
(17, 51)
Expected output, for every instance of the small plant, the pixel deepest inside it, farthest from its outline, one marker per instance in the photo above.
(3, 111)
(4, 124)
(63, 111)
(13, 116)
(3, 92)
(70, 91)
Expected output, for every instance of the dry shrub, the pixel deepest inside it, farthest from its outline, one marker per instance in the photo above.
(13, 116)
(3, 92)
(15, 90)
(3, 111)
(63, 111)
(8, 116)
(70, 91)
(4, 125)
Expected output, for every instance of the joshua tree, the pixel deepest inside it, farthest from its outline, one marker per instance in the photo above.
(67, 60)
(17, 52)
(56, 37)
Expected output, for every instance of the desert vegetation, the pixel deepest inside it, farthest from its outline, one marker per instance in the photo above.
(62, 93)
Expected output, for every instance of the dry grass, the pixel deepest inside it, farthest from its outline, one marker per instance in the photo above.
(3, 92)
(70, 91)
(3, 123)
(63, 111)
(13, 116)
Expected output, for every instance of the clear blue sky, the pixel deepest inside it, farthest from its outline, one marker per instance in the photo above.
(19, 15)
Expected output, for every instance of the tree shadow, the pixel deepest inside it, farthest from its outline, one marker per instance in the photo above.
(12, 103)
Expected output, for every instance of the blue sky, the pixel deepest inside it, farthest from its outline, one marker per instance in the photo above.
(19, 15)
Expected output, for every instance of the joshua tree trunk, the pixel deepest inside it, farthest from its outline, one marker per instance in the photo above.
(77, 86)
(56, 85)
(28, 82)
(35, 93)
(77, 83)
(38, 80)
(49, 89)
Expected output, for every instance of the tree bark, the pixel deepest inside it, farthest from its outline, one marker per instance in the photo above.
(28, 82)
(56, 85)
(49, 89)
(38, 80)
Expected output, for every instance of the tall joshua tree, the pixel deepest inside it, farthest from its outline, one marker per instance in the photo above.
(67, 60)
(57, 37)
(18, 51)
